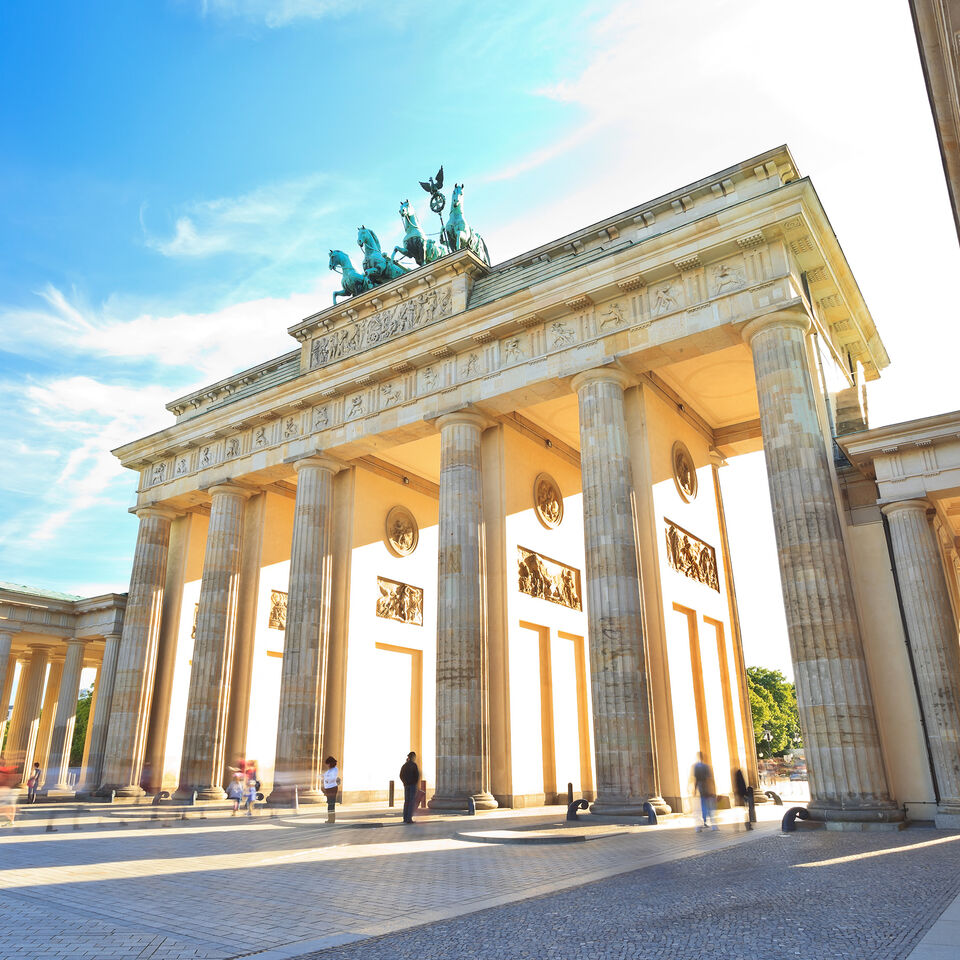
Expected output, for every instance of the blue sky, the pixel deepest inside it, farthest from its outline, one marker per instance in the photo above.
(172, 174)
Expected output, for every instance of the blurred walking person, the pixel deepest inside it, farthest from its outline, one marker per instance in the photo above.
(744, 796)
(331, 786)
(250, 791)
(410, 778)
(9, 778)
(235, 791)
(703, 783)
(33, 784)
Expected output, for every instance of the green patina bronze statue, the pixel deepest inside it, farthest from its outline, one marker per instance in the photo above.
(455, 234)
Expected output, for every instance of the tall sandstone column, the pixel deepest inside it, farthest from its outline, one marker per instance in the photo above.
(8, 665)
(847, 777)
(100, 722)
(137, 657)
(303, 677)
(48, 711)
(933, 639)
(22, 741)
(64, 720)
(16, 711)
(626, 767)
(463, 741)
(208, 698)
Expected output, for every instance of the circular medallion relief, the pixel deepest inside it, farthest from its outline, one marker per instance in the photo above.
(684, 471)
(401, 532)
(547, 501)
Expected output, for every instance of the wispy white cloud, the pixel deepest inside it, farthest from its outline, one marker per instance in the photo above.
(279, 13)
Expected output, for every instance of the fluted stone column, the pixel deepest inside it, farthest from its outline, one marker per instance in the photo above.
(208, 698)
(48, 712)
(85, 759)
(626, 769)
(100, 721)
(933, 639)
(300, 722)
(847, 777)
(17, 711)
(64, 721)
(463, 740)
(8, 666)
(22, 741)
(137, 657)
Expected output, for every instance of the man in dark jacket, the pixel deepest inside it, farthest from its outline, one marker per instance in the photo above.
(410, 778)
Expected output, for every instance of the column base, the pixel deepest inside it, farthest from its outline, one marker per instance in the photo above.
(947, 817)
(858, 817)
(629, 807)
(128, 791)
(60, 793)
(283, 797)
(483, 801)
(204, 793)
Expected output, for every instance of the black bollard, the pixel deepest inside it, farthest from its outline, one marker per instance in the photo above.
(471, 806)
(390, 792)
(576, 805)
(789, 822)
(569, 793)
(650, 812)
(775, 797)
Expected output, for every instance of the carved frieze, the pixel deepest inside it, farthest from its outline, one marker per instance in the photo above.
(691, 556)
(401, 533)
(548, 579)
(278, 610)
(547, 501)
(684, 472)
(379, 327)
(400, 601)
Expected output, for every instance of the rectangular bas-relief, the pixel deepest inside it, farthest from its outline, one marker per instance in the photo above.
(548, 579)
(400, 601)
(690, 555)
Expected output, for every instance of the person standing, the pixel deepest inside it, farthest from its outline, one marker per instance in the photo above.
(744, 796)
(331, 786)
(250, 792)
(410, 778)
(33, 784)
(703, 783)
(235, 791)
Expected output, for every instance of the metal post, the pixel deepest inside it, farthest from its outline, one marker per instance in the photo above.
(390, 793)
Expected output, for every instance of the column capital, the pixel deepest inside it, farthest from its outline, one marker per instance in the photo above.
(906, 506)
(7, 634)
(467, 415)
(161, 513)
(320, 460)
(609, 374)
(228, 489)
(795, 318)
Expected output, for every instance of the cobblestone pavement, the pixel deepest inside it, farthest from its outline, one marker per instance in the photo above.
(216, 888)
(814, 895)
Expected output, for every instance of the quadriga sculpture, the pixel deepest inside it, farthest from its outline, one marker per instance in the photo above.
(457, 233)
(377, 266)
(352, 282)
(416, 244)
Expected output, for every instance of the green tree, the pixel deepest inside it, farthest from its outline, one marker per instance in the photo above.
(80, 727)
(773, 703)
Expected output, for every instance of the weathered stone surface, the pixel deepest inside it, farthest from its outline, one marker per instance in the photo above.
(100, 721)
(933, 639)
(137, 657)
(463, 750)
(626, 770)
(300, 727)
(62, 740)
(847, 777)
(208, 699)
(24, 730)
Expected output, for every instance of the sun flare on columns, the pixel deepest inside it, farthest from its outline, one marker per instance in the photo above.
(300, 723)
(58, 765)
(847, 777)
(8, 665)
(137, 656)
(625, 750)
(208, 699)
(101, 715)
(463, 739)
(22, 739)
(933, 639)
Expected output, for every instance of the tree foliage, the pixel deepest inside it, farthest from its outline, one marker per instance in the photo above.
(773, 703)
(80, 727)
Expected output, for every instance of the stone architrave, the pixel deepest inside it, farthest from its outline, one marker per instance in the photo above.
(847, 778)
(22, 740)
(463, 742)
(100, 721)
(626, 768)
(66, 714)
(137, 657)
(933, 640)
(300, 721)
(208, 698)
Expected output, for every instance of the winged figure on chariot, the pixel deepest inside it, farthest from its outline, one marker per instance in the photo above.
(455, 234)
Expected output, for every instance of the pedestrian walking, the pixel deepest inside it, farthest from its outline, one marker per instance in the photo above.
(33, 784)
(331, 786)
(744, 796)
(410, 778)
(235, 791)
(703, 783)
(250, 791)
